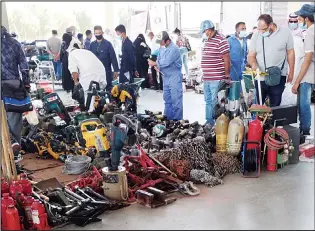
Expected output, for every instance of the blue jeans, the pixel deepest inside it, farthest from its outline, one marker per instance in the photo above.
(210, 89)
(304, 106)
(184, 57)
(58, 69)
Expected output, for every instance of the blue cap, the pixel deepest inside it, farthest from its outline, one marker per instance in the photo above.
(205, 25)
(306, 10)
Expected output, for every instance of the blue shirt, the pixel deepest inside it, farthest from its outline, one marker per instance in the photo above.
(238, 56)
(13, 59)
(105, 52)
(128, 58)
(87, 43)
(169, 60)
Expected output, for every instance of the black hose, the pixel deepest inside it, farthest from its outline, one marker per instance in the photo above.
(250, 160)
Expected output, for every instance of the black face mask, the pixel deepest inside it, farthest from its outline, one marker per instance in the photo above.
(98, 37)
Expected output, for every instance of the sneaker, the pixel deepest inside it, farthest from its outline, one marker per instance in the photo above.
(18, 158)
(16, 148)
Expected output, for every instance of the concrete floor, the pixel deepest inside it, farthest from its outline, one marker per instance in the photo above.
(282, 200)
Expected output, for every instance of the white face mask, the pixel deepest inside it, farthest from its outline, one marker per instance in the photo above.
(243, 34)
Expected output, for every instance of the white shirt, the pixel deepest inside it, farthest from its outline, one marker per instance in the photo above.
(89, 67)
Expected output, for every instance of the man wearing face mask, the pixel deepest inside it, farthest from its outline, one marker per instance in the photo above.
(105, 52)
(305, 81)
(238, 51)
(128, 58)
(215, 65)
(169, 63)
(270, 50)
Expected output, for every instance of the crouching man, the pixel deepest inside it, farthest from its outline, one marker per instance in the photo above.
(85, 67)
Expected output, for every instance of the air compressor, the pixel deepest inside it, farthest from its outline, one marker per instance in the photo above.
(235, 136)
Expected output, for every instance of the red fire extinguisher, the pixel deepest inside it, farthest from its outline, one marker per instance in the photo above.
(15, 188)
(39, 216)
(255, 133)
(5, 187)
(272, 159)
(6, 200)
(13, 218)
(26, 185)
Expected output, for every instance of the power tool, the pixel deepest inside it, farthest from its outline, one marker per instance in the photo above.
(123, 131)
(125, 94)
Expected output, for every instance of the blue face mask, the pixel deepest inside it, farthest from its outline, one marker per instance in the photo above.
(242, 34)
(302, 26)
(266, 34)
(293, 26)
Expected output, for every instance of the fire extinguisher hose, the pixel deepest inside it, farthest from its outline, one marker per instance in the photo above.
(75, 165)
(273, 143)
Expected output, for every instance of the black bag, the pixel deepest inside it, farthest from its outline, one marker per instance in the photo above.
(147, 52)
(273, 74)
(188, 45)
(15, 96)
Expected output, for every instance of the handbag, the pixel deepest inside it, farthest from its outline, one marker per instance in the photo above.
(273, 74)
(15, 96)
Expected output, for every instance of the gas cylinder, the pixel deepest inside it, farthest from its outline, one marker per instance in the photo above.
(221, 129)
(13, 218)
(235, 136)
(255, 132)
(6, 200)
(26, 185)
(39, 216)
(115, 184)
(5, 187)
(15, 187)
(272, 159)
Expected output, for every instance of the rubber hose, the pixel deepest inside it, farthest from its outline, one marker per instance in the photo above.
(271, 142)
(75, 165)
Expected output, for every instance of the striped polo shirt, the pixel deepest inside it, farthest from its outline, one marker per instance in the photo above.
(212, 63)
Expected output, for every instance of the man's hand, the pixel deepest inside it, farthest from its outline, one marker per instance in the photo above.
(115, 75)
(295, 88)
(151, 63)
(137, 74)
(290, 78)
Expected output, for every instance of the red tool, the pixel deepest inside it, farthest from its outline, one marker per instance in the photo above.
(15, 188)
(307, 150)
(39, 216)
(255, 133)
(5, 187)
(6, 200)
(27, 202)
(13, 218)
(272, 160)
(26, 185)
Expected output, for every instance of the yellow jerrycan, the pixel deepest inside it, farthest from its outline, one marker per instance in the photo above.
(235, 136)
(221, 129)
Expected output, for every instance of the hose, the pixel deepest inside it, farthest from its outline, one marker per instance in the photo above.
(273, 143)
(75, 165)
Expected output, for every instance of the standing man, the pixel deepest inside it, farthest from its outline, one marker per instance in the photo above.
(13, 62)
(169, 63)
(154, 46)
(87, 41)
(80, 38)
(215, 65)
(183, 44)
(272, 47)
(128, 58)
(53, 48)
(238, 51)
(305, 81)
(105, 52)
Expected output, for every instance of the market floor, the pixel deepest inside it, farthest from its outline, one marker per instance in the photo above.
(282, 200)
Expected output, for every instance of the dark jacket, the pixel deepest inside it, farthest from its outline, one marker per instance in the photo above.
(128, 59)
(13, 59)
(105, 52)
(140, 50)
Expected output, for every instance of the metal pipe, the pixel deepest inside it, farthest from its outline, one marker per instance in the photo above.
(259, 86)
